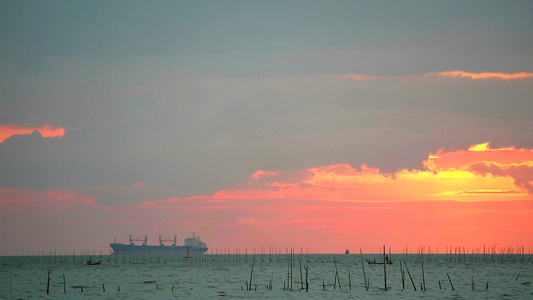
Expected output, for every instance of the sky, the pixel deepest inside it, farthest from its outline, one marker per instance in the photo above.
(318, 125)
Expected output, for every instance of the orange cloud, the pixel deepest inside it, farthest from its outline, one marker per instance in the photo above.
(478, 173)
(484, 75)
(481, 160)
(7, 131)
(445, 74)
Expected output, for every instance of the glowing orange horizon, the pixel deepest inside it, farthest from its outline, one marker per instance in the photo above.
(7, 131)
(468, 197)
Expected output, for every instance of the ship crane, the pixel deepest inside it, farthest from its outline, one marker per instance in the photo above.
(165, 239)
(139, 239)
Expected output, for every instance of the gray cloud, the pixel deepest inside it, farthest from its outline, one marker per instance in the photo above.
(185, 136)
(180, 98)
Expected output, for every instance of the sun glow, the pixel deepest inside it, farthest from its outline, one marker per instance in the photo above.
(466, 197)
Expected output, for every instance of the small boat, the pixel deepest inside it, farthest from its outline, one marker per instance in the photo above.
(90, 263)
(374, 262)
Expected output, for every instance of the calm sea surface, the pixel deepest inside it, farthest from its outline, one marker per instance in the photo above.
(304, 276)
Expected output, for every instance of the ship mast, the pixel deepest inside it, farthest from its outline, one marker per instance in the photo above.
(164, 239)
(139, 239)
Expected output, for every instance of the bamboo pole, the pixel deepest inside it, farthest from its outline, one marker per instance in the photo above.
(423, 277)
(301, 275)
(252, 273)
(288, 273)
(450, 281)
(48, 284)
(337, 278)
(349, 280)
(292, 258)
(363, 265)
(384, 268)
(412, 282)
(64, 284)
(335, 281)
(306, 279)
(402, 276)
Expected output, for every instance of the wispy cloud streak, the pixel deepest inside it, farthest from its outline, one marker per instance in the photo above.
(483, 75)
(456, 74)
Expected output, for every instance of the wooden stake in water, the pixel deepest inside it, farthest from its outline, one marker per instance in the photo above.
(301, 275)
(306, 277)
(64, 285)
(288, 272)
(410, 277)
(10, 281)
(423, 277)
(402, 274)
(450, 281)
(363, 265)
(384, 267)
(349, 280)
(252, 273)
(48, 284)
(337, 279)
(291, 257)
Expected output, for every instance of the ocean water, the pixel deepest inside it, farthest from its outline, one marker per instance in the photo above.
(228, 276)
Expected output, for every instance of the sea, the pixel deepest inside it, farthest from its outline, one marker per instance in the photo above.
(268, 276)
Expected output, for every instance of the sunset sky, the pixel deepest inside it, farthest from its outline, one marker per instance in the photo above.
(318, 125)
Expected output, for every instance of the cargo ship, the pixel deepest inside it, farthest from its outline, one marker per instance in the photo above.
(192, 246)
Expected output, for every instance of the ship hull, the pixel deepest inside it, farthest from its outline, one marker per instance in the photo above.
(122, 249)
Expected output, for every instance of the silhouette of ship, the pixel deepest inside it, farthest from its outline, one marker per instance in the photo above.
(192, 246)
